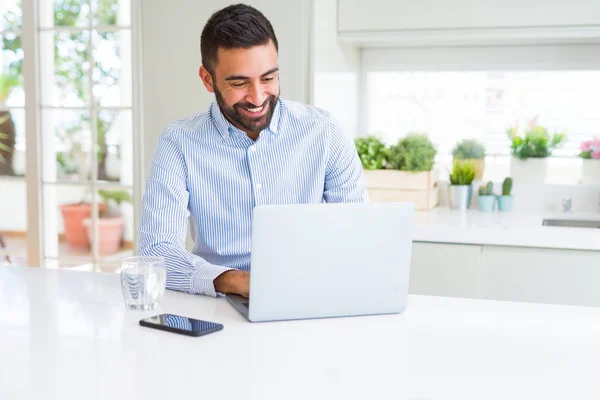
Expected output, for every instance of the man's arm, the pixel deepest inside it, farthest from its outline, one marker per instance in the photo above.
(163, 228)
(344, 180)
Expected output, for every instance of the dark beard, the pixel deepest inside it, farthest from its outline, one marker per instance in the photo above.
(248, 124)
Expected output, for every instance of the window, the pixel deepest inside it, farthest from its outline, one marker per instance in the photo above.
(461, 96)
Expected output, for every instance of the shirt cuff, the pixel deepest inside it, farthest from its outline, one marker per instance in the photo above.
(203, 277)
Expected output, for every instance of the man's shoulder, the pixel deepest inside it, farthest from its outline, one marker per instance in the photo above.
(302, 111)
(194, 125)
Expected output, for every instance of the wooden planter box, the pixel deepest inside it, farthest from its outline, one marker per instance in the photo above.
(419, 188)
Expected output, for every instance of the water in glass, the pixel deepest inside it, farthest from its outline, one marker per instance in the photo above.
(143, 281)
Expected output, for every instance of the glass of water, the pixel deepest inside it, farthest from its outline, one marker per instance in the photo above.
(143, 282)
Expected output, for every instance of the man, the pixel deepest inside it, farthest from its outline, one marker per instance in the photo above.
(250, 148)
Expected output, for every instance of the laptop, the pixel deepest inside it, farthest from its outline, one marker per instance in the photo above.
(328, 260)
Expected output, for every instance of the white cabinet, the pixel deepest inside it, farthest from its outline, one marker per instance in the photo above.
(541, 275)
(446, 270)
(406, 15)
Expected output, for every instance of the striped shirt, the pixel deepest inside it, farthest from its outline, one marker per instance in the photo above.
(206, 170)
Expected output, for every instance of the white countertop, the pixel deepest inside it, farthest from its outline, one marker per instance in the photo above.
(523, 229)
(65, 335)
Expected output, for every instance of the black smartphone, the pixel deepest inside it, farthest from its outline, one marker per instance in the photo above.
(183, 325)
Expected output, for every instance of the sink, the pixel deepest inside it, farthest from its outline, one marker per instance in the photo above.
(572, 223)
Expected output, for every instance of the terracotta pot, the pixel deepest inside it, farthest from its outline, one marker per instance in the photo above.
(110, 232)
(73, 216)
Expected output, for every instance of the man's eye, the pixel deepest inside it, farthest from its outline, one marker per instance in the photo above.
(238, 84)
(268, 79)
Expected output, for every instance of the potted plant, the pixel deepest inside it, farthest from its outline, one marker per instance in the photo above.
(590, 171)
(530, 151)
(110, 223)
(473, 151)
(402, 172)
(372, 152)
(8, 133)
(460, 190)
(505, 201)
(486, 198)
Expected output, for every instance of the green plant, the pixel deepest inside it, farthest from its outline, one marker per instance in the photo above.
(372, 151)
(468, 149)
(415, 153)
(462, 173)
(116, 196)
(507, 187)
(535, 143)
(486, 190)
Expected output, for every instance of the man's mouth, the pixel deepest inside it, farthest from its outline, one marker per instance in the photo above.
(256, 111)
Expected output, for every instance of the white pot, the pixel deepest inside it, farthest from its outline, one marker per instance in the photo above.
(590, 172)
(532, 170)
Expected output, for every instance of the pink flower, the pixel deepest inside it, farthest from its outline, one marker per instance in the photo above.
(596, 155)
(586, 146)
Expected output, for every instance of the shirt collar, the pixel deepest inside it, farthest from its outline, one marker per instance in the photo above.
(224, 126)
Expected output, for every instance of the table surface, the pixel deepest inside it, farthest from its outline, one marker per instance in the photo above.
(66, 335)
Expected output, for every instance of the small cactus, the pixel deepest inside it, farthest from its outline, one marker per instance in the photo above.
(486, 190)
(506, 187)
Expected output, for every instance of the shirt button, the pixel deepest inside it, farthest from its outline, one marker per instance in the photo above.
(258, 185)
(252, 148)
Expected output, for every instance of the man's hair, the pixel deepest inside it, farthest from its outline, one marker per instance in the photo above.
(234, 27)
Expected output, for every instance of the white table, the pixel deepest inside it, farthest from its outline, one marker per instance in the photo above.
(66, 335)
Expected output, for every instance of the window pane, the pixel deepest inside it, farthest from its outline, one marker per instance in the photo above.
(65, 73)
(67, 149)
(11, 72)
(112, 68)
(12, 16)
(65, 210)
(13, 221)
(111, 12)
(481, 104)
(74, 13)
(115, 146)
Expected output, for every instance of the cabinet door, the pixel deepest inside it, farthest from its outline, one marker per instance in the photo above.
(446, 270)
(541, 275)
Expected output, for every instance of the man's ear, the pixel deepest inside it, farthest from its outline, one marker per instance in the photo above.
(206, 79)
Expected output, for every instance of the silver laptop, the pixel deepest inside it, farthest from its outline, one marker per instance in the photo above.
(328, 260)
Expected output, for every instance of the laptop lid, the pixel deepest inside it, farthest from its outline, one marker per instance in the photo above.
(328, 260)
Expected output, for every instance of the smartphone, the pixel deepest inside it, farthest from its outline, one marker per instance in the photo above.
(183, 325)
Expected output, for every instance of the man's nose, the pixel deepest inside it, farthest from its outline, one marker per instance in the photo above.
(256, 95)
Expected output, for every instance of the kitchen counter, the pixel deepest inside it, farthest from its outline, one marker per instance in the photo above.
(520, 229)
(66, 335)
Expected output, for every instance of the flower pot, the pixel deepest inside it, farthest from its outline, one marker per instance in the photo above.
(459, 196)
(532, 170)
(590, 172)
(479, 166)
(73, 216)
(505, 203)
(486, 203)
(110, 232)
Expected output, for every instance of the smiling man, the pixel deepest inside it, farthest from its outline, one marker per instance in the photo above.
(251, 147)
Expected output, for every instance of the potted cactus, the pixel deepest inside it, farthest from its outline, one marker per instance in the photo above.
(460, 190)
(473, 151)
(505, 201)
(486, 198)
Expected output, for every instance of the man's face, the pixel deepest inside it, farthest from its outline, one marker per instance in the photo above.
(246, 85)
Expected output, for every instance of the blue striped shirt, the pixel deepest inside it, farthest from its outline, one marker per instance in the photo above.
(205, 169)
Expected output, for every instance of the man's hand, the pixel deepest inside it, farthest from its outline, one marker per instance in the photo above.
(233, 281)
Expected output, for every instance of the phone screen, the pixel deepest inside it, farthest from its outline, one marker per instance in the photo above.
(179, 324)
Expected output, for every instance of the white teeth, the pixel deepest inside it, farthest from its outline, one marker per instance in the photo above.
(254, 109)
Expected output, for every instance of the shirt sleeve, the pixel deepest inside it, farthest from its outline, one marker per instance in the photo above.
(164, 223)
(344, 179)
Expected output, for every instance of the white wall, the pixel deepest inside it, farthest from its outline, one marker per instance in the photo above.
(171, 57)
(336, 69)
